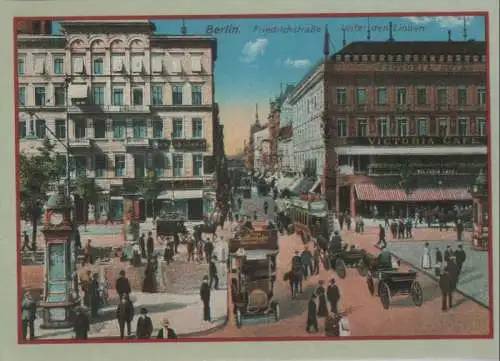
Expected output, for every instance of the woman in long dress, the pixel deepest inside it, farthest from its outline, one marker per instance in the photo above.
(321, 293)
(426, 257)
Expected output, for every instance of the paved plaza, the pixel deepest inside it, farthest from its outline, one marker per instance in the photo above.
(474, 279)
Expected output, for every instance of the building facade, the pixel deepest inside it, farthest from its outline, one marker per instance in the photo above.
(132, 102)
(261, 150)
(286, 151)
(410, 121)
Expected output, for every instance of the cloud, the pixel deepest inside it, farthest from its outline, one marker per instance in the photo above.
(299, 63)
(442, 21)
(253, 49)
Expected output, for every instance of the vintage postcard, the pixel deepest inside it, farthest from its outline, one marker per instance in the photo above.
(253, 178)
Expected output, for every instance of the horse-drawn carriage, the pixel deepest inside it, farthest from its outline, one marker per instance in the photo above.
(391, 282)
(169, 225)
(253, 256)
(349, 257)
(305, 214)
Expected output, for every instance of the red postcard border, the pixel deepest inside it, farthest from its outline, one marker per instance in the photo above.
(484, 14)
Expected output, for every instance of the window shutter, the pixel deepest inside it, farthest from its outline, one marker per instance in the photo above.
(176, 65)
(196, 63)
(78, 64)
(39, 65)
(157, 64)
(117, 63)
(137, 64)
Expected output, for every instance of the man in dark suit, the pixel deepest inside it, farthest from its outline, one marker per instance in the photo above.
(444, 284)
(150, 244)
(205, 298)
(142, 245)
(460, 258)
(448, 253)
(452, 269)
(81, 324)
(333, 296)
(144, 325)
(28, 315)
(214, 277)
(122, 285)
(208, 248)
(125, 315)
(312, 318)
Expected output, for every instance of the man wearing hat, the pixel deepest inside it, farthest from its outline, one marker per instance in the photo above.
(460, 258)
(214, 277)
(312, 318)
(81, 323)
(452, 268)
(448, 253)
(165, 331)
(205, 298)
(144, 325)
(122, 285)
(333, 296)
(26, 242)
(307, 261)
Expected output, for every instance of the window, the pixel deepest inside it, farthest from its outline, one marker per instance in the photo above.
(177, 95)
(21, 66)
(421, 96)
(442, 96)
(137, 63)
(119, 129)
(178, 128)
(341, 96)
(342, 127)
(157, 91)
(100, 166)
(59, 95)
(196, 63)
(77, 64)
(40, 96)
(59, 65)
(117, 96)
(157, 63)
(80, 128)
(22, 129)
(40, 129)
(39, 64)
(196, 94)
(119, 165)
(463, 127)
(22, 96)
(139, 165)
(362, 127)
(481, 96)
(383, 128)
(462, 96)
(117, 64)
(176, 64)
(481, 127)
(197, 165)
(158, 129)
(401, 96)
(197, 124)
(443, 127)
(360, 96)
(402, 127)
(60, 129)
(98, 65)
(178, 165)
(100, 129)
(381, 96)
(139, 129)
(159, 164)
(98, 95)
(422, 127)
(80, 166)
(137, 96)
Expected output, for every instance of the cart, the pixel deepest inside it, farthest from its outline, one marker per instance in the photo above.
(253, 274)
(349, 258)
(169, 225)
(389, 283)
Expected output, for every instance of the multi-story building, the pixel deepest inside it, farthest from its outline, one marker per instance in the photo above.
(131, 100)
(410, 122)
(306, 101)
(285, 150)
(34, 27)
(261, 150)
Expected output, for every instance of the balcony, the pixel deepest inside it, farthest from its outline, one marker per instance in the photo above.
(81, 143)
(160, 144)
(136, 142)
(94, 108)
(190, 144)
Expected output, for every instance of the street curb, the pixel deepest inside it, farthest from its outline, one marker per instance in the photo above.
(217, 327)
(434, 278)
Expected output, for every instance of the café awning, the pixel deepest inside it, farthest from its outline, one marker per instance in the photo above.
(182, 194)
(375, 193)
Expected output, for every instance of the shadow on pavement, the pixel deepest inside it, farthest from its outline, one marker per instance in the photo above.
(109, 313)
(293, 307)
(430, 292)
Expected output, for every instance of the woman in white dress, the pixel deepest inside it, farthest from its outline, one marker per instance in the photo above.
(426, 258)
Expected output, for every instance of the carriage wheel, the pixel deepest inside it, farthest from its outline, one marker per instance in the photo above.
(340, 268)
(238, 318)
(276, 312)
(385, 295)
(371, 286)
(362, 269)
(417, 294)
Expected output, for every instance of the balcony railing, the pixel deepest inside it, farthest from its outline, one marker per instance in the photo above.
(94, 108)
(387, 108)
(160, 144)
(81, 143)
(190, 144)
(136, 142)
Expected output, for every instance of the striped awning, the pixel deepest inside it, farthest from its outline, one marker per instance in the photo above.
(374, 193)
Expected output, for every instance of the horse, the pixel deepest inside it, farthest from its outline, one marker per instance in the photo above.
(206, 228)
(294, 277)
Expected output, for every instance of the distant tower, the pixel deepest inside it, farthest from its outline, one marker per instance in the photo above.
(465, 29)
(257, 121)
(391, 38)
(368, 31)
(449, 35)
(344, 40)
(326, 44)
(183, 28)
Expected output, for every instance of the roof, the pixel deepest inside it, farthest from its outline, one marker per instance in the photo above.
(414, 47)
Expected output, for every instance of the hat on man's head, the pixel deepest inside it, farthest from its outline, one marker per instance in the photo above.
(144, 311)
(165, 322)
(205, 278)
(122, 273)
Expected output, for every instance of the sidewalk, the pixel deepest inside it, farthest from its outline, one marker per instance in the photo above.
(185, 313)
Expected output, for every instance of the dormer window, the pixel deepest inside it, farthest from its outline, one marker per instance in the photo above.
(338, 58)
(424, 58)
(382, 57)
(483, 58)
(399, 58)
(475, 58)
(390, 58)
(374, 57)
(356, 57)
(407, 57)
(467, 58)
(415, 58)
(441, 58)
(347, 57)
(450, 58)
(458, 58)
(364, 58)
(433, 58)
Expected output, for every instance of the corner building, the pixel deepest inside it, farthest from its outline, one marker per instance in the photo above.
(133, 101)
(411, 124)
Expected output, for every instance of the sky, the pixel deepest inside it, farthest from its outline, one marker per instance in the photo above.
(254, 58)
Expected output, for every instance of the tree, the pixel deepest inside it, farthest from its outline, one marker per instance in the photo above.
(37, 175)
(150, 188)
(88, 190)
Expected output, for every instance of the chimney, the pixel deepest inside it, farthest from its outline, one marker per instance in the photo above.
(449, 35)
(465, 29)
(183, 28)
(368, 32)
(391, 38)
(344, 40)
